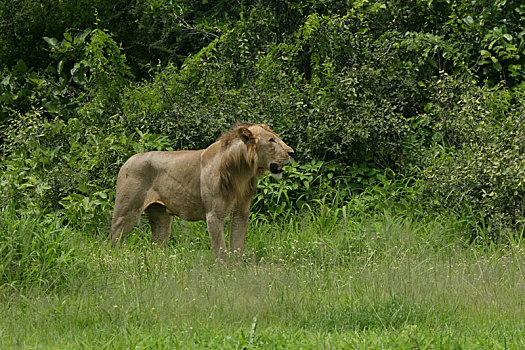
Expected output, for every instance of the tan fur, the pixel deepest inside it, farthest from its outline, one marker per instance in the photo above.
(207, 184)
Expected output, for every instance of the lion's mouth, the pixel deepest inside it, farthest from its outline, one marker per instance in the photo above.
(276, 168)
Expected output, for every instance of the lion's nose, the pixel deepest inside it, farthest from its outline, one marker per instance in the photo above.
(290, 152)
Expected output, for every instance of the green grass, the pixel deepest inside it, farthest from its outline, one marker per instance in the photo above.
(319, 280)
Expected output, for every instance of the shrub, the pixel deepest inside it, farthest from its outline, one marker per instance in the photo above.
(482, 163)
(86, 75)
(332, 93)
(310, 185)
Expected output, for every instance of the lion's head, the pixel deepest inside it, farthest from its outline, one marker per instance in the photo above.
(265, 151)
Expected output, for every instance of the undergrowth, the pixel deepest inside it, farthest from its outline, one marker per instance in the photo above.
(361, 273)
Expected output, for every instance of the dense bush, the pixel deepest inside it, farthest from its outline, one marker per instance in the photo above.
(352, 87)
(310, 185)
(479, 157)
(422, 89)
(86, 75)
(163, 30)
(346, 105)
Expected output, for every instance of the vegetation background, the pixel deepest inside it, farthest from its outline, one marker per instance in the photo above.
(400, 223)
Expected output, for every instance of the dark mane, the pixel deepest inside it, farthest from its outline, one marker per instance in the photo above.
(227, 138)
(238, 164)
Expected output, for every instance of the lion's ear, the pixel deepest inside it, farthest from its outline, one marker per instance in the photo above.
(245, 134)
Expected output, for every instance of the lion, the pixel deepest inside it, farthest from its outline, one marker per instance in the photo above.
(207, 184)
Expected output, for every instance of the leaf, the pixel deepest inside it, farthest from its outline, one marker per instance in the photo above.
(492, 44)
(51, 41)
(35, 80)
(469, 20)
(82, 37)
(428, 107)
(485, 53)
(508, 37)
(49, 105)
(60, 67)
(5, 81)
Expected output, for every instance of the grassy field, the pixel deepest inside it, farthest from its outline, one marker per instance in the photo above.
(328, 279)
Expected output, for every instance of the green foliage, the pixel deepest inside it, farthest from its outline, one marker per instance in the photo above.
(108, 71)
(479, 160)
(309, 185)
(68, 164)
(321, 92)
(359, 89)
(56, 89)
(25, 22)
(488, 37)
(162, 30)
(301, 185)
(87, 67)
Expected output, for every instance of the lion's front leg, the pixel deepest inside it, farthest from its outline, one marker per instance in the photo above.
(238, 227)
(215, 225)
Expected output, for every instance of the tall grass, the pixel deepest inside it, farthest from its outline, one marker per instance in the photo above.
(332, 278)
(36, 250)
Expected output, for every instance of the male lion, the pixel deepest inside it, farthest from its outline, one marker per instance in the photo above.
(196, 185)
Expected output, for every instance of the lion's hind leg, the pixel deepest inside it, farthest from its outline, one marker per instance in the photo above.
(160, 222)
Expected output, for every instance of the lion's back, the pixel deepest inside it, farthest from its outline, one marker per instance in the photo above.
(148, 167)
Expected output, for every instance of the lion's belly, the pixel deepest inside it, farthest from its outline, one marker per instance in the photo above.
(183, 202)
(187, 212)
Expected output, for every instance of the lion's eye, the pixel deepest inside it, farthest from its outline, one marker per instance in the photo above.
(272, 140)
